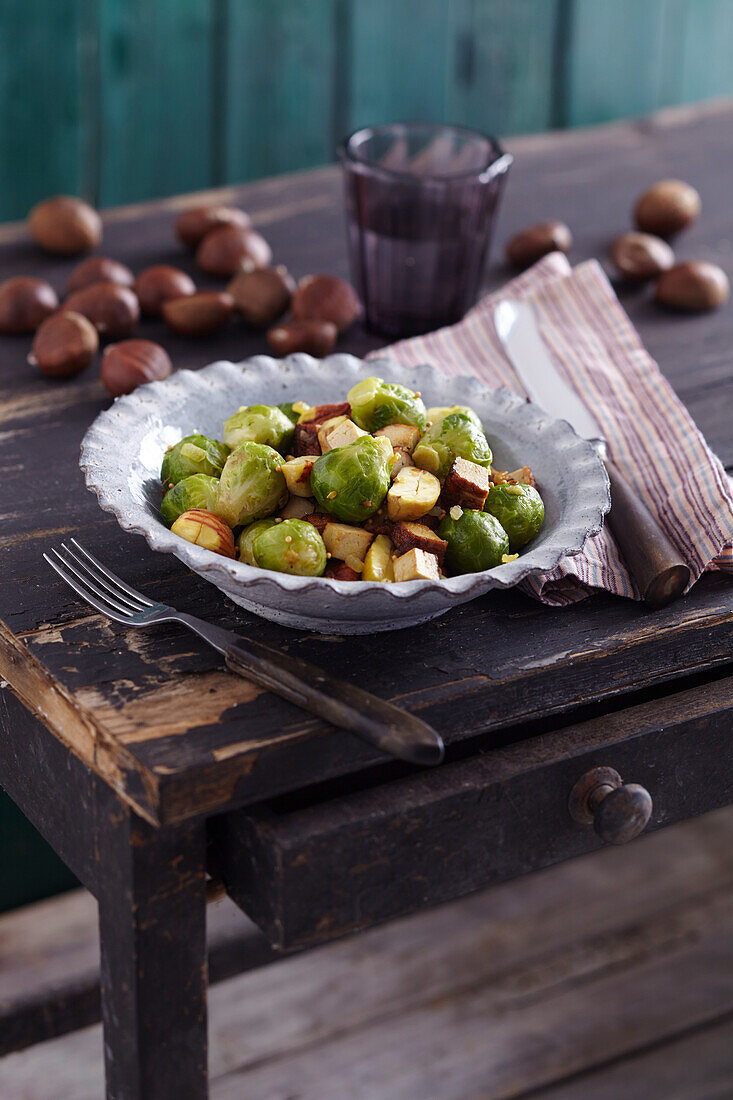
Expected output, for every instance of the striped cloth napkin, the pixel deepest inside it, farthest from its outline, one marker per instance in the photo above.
(652, 437)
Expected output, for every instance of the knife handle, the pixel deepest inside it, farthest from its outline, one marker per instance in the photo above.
(653, 561)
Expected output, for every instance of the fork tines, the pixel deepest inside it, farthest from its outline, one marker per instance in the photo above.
(96, 584)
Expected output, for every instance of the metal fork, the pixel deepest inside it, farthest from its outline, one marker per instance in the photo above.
(390, 728)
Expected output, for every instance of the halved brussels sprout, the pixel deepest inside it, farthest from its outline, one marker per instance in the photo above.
(476, 541)
(439, 412)
(351, 482)
(455, 436)
(251, 484)
(520, 511)
(288, 407)
(194, 454)
(376, 403)
(247, 536)
(292, 546)
(198, 491)
(266, 424)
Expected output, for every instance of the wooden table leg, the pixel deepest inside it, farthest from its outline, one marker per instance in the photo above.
(152, 916)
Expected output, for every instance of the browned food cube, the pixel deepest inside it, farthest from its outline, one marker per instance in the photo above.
(467, 485)
(344, 541)
(416, 565)
(297, 474)
(319, 413)
(406, 535)
(306, 439)
(379, 524)
(319, 520)
(401, 436)
(340, 571)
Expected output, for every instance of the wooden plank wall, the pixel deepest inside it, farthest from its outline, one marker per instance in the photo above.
(122, 100)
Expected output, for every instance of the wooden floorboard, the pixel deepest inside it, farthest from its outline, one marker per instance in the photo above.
(570, 983)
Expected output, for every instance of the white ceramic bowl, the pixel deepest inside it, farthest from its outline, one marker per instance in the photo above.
(123, 449)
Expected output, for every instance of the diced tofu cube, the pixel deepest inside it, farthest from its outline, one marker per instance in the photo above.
(402, 436)
(297, 474)
(378, 562)
(338, 433)
(412, 493)
(416, 565)
(297, 508)
(467, 485)
(402, 459)
(343, 541)
(406, 535)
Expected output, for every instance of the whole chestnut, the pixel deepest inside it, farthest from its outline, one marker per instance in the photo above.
(230, 248)
(159, 284)
(64, 344)
(531, 244)
(262, 295)
(199, 314)
(313, 337)
(693, 287)
(667, 207)
(129, 364)
(113, 310)
(25, 302)
(65, 225)
(99, 269)
(193, 225)
(326, 298)
(641, 256)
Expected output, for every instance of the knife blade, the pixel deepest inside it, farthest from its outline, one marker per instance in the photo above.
(653, 560)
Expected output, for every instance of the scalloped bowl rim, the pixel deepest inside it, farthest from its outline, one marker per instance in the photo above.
(542, 558)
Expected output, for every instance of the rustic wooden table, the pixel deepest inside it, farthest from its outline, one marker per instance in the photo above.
(147, 766)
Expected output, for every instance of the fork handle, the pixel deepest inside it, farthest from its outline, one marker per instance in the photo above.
(389, 728)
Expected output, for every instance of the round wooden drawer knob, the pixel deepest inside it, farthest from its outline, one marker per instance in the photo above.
(617, 811)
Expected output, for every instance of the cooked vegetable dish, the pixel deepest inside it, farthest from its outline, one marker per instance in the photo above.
(375, 488)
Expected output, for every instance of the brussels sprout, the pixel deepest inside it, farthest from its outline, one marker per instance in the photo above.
(439, 413)
(288, 407)
(476, 541)
(194, 454)
(520, 511)
(455, 436)
(251, 484)
(292, 546)
(259, 424)
(376, 403)
(198, 491)
(247, 536)
(351, 482)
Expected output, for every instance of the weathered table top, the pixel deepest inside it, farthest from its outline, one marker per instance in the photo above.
(154, 712)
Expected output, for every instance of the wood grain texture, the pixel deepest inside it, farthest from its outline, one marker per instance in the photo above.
(309, 874)
(534, 968)
(130, 693)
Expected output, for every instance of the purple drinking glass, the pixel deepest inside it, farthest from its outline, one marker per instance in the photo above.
(421, 200)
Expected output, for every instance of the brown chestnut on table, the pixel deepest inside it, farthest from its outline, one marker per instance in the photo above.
(65, 225)
(531, 244)
(193, 225)
(229, 249)
(199, 314)
(113, 310)
(64, 344)
(641, 256)
(316, 338)
(262, 295)
(129, 364)
(693, 287)
(99, 269)
(326, 298)
(667, 207)
(161, 283)
(25, 302)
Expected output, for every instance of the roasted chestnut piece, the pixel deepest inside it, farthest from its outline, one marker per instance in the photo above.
(262, 295)
(326, 298)
(25, 302)
(65, 225)
(99, 269)
(129, 364)
(530, 245)
(64, 344)
(198, 314)
(193, 225)
(641, 256)
(230, 248)
(162, 283)
(667, 207)
(693, 287)
(113, 310)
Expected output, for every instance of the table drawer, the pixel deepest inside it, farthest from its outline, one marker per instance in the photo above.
(315, 873)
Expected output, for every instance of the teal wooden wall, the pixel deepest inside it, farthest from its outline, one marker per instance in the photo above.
(123, 100)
